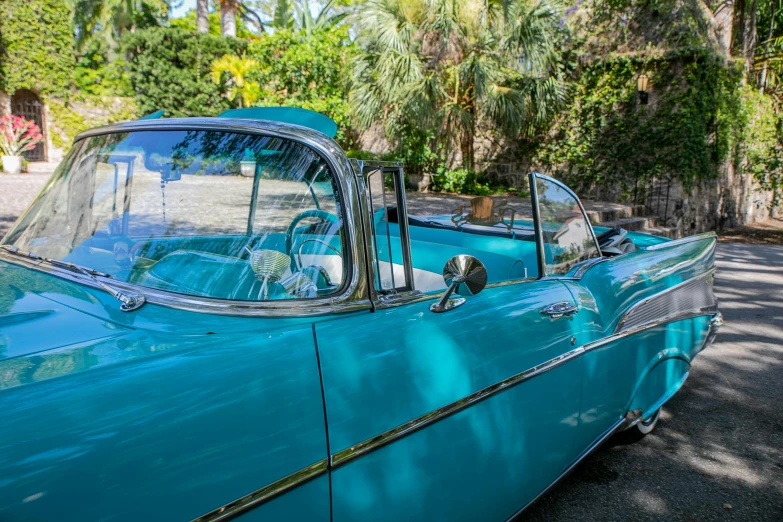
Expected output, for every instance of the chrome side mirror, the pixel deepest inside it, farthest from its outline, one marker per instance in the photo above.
(464, 275)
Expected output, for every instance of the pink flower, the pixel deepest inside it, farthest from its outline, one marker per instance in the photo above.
(18, 135)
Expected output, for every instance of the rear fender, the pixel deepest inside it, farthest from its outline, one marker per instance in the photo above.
(659, 384)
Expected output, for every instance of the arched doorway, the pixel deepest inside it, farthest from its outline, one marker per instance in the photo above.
(27, 104)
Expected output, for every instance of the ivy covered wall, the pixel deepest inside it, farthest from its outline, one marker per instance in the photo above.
(694, 119)
(36, 46)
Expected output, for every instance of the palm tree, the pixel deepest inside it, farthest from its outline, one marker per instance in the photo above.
(202, 16)
(228, 17)
(108, 20)
(326, 18)
(450, 65)
(238, 87)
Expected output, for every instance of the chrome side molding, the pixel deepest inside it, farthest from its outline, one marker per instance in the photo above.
(389, 436)
(265, 494)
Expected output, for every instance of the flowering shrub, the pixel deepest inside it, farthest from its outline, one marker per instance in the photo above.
(18, 135)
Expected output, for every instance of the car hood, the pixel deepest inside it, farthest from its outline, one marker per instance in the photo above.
(50, 327)
(36, 324)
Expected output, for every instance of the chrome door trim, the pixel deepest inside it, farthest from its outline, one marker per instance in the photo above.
(265, 494)
(354, 293)
(389, 436)
(618, 426)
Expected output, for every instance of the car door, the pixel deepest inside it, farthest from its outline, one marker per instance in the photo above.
(462, 415)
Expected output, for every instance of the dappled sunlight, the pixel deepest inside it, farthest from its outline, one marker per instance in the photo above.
(649, 502)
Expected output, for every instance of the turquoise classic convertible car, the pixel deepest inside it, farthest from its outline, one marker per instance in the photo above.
(226, 318)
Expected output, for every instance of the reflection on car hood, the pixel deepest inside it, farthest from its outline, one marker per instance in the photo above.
(42, 337)
(35, 324)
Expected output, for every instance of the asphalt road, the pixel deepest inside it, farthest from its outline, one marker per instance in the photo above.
(717, 452)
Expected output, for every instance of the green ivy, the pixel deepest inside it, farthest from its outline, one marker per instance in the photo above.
(693, 124)
(65, 122)
(170, 69)
(36, 46)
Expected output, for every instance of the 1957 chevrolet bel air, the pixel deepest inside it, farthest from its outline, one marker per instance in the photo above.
(220, 318)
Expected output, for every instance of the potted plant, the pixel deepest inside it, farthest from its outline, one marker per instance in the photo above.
(17, 135)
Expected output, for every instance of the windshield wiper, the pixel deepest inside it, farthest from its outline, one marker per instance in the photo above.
(130, 300)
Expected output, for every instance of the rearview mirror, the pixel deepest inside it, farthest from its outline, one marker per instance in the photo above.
(464, 275)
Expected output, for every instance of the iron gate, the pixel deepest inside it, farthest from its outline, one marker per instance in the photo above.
(27, 104)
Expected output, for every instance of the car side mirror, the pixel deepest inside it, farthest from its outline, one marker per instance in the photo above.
(464, 275)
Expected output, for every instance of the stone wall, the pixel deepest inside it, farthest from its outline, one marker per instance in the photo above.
(733, 199)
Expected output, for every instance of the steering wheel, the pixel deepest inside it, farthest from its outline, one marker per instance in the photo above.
(289, 234)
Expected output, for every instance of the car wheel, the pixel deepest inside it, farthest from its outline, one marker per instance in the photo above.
(642, 428)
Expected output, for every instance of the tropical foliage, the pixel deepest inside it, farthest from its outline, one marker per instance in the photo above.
(237, 87)
(457, 86)
(108, 20)
(453, 66)
(305, 70)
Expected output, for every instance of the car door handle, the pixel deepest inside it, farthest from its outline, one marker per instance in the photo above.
(561, 309)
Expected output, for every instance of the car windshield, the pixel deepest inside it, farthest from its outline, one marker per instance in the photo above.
(205, 213)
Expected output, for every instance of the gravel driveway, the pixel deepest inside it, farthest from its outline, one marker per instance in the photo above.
(717, 452)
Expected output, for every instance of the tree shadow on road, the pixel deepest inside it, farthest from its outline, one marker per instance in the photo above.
(717, 453)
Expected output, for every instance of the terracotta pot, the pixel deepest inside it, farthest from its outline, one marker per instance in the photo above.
(12, 164)
(418, 182)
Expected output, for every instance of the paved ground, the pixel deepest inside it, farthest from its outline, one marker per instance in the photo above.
(717, 453)
(16, 192)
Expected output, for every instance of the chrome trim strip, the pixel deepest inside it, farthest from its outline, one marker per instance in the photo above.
(382, 439)
(354, 292)
(646, 326)
(281, 308)
(618, 426)
(622, 324)
(265, 494)
(681, 241)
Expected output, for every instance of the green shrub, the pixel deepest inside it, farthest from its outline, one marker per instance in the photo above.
(297, 69)
(361, 154)
(414, 147)
(65, 122)
(170, 70)
(461, 181)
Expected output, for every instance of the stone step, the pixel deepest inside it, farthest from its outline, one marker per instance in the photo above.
(633, 224)
(670, 232)
(602, 212)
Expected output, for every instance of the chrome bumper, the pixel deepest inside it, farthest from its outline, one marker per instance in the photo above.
(715, 323)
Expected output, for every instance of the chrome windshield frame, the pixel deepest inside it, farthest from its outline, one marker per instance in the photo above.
(353, 294)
